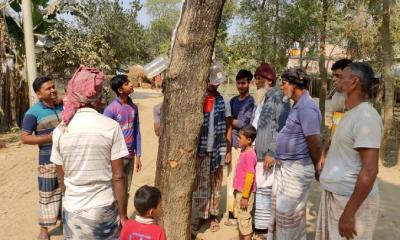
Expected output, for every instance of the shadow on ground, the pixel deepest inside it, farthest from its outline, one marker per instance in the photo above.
(389, 216)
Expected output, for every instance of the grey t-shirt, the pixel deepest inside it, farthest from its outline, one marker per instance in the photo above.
(360, 127)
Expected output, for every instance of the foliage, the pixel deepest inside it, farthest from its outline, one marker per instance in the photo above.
(73, 48)
(110, 38)
(118, 26)
(41, 22)
(395, 28)
(362, 32)
(221, 44)
(299, 22)
(165, 14)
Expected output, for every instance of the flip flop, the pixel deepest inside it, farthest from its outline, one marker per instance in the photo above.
(230, 223)
(214, 226)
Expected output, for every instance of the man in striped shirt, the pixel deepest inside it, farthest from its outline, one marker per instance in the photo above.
(37, 127)
(126, 113)
(88, 149)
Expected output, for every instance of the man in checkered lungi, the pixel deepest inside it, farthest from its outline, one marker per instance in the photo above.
(211, 157)
(37, 127)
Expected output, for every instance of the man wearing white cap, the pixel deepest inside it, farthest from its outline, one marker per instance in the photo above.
(211, 155)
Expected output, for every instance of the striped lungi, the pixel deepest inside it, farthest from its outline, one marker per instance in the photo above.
(95, 223)
(207, 191)
(289, 200)
(49, 195)
(262, 208)
(330, 210)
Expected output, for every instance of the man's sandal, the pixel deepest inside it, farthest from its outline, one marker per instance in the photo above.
(230, 222)
(214, 225)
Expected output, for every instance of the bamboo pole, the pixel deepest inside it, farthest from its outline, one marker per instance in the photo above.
(29, 47)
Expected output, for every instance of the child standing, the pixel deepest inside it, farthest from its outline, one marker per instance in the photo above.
(126, 113)
(148, 204)
(244, 181)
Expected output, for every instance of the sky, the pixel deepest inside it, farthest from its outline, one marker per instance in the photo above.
(145, 19)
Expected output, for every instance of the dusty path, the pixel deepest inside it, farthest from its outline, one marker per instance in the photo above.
(18, 188)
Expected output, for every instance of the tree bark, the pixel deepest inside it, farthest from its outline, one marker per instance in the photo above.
(301, 55)
(13, 108)
(182, 113)
(389, 145)
(275, 37)
(322, 68)
(2, 63)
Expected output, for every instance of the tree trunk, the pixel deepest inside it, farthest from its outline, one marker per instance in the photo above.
(301, 55)
(2, 66)
(275, 37)
(182, 112)
(322, 68)
(389, 150)
(13, 123)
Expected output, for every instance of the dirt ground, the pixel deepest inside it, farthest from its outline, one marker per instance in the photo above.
(19, 194)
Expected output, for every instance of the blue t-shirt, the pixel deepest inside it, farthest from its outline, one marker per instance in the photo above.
(242, 111)
(41, 120)
(304, 120)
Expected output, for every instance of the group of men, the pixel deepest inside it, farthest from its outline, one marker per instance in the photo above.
(85, 155)
(290, 154)
(86, 158)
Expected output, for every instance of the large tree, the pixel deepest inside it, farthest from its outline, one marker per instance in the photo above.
(182, 112)
(321, 63)
(389, 145)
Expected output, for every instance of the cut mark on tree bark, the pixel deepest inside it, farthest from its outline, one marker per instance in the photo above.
(173, 163)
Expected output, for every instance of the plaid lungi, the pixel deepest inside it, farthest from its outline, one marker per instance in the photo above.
(49, 195)
(207, 194)
(95, 223)
(330, 210)
(289, 200)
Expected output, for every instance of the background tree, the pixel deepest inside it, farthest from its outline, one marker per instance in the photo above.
(221, 45)
(110, 38)
(182, 112)
(13, 93)
(299, 23)
(165, 14)
(390, 144)
(321, 63)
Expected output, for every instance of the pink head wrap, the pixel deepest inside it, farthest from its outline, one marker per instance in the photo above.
(83, 88)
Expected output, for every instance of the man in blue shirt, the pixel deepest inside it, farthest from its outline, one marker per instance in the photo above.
(298, 150)
(37, 127)
(241, 111)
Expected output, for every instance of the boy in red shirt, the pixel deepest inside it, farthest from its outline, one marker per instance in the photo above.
(244, 181)
(148, 204)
